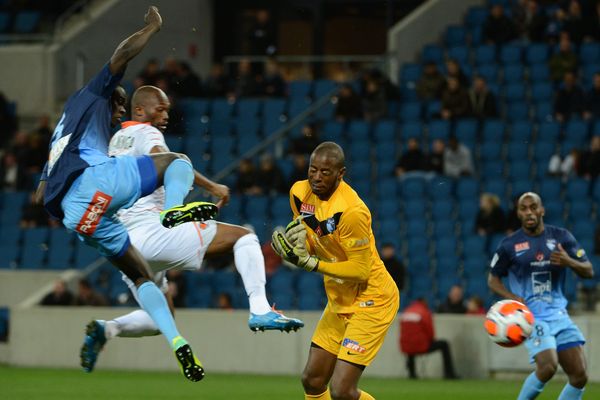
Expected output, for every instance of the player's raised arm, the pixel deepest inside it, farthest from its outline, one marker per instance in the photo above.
(133, 45)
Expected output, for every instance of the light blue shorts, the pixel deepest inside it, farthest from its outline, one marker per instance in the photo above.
(559, 335)
(99, 192)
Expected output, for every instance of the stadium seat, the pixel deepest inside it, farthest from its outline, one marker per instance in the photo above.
(433, 109)
(387, 188)
(517, 150)
(548, 132)
(477, 287)
(412, 188)
(193, 106)
(539, 73)
(542, 91)
(297, 106)
(272, 124)
(359, 130)
(4, 22)
(84, 255)
(414, 209)
(465, 130)
(543, 111)
(459, 53)
(411, 130)
(456, 35)
(589, 53)
(474, 244)
(596, 128)
(35, 248)
(256, 206)
(485, 55)
(521, 132)
(577, 188)
(9, 256)
(576, 132)
(199, 293)
(249, 108)
(444, 228)
(442, 209)
(221, 109)
(417, 229)
(493, 131)
(440, 187)
(432, 52)
(537, 53)
(410, 111)
(550, 188)
(386, 151)
(321, 87)
(410, 73)
(495, 186)
(26, 21)
(311, 292)
(520, 186)
(300, 89)
(60, 250)
(446, 246)
(476, 16)
(510, 54)
(281, 288)
(388, 208)
(494, 242)
(583, 229)
(580, 210)
(332, 130)
(273, 107)
(384, 130)
(514, 92)
(517, 111)
(467, 188)
(490, 151)
(519, 169)
(554, 209)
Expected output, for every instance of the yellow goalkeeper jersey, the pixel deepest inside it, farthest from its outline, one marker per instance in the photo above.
(340, 234)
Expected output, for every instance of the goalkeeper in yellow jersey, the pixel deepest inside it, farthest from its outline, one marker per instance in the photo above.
(331, 234)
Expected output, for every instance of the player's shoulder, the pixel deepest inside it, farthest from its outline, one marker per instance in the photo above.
(139, 127)
(513, 239)
(557, 231)
(351, 201)
(300, 189)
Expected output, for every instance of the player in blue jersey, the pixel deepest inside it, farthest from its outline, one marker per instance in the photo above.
(84, 187)
(536, 259)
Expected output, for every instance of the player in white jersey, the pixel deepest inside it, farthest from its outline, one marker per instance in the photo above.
(186, 245)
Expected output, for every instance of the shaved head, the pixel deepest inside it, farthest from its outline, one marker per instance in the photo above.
(145, 94)
(536, 197)
(330, 150)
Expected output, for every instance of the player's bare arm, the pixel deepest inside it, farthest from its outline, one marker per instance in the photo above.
(133, 45)
(561, 258)
(38, 197)
(496, 285)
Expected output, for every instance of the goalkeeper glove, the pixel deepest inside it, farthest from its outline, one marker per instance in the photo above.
(297, 255)
(293, 229)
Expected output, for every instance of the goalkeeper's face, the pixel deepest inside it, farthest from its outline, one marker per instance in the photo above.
(324, 174)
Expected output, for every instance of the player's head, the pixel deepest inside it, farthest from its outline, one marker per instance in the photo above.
(530, 211)
(326, 169)
(151, 104)
(118, 100)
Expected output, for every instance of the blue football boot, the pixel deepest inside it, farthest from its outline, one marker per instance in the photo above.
(92, 344)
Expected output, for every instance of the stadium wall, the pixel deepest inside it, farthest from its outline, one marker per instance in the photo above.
(51, 337)
(422, 26)
(17, 286)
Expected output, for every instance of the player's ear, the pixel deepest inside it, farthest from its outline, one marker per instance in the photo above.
(341, 173)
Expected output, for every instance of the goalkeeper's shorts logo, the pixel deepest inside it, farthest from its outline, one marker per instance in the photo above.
(353, 345)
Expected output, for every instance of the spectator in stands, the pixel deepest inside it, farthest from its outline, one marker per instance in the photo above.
(564, 167)
(217, 83)
(412, 160)
(490, 218)
(589, 162)
(244, 82)
(224, 302)
(435, 159)
(262, 36)
(87, 296)
(569, 100)
(60, 295)
(455, 302)
(417, 336)
(592, 98)
(374, 103)
(307, 143)
(8, 121)
(348, 104)
(573, 22)
(432, 82)
(300, 169)
(565, 60)
(43, 128)
(482, 101)
(393, 265)
(186, 83)
(177, 287)
(498, 29)
(454, 70)
(37, 154)
(149, 75)
(33, 214)
(170, 72)
(247, 182)
(458, 160)
(269, 177)
(12, 175)
(272, 82)
(455, 100)
(475, 306)
(593, 24)
(534, 21)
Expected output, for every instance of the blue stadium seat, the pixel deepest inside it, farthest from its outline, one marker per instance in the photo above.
(444, 228)
(385, 168)
(442, 209)
(577, 188)
(489, 72)
(490, 151)
(583, 229)
(446, 246)
(416, 229)
(322, 87)
(4, 22)
(517, 111)
(513, 74)
(519, 169)
(433, 109)
(474, 244)
(554, 209)
(300, 89)
(521, 132)
(414, 209)
(548, 132)
(537, 53)
(388, 208)
(440, 188)
(539, 73)
(589, 53)
(477, 287)
(411, 130)
(550, 188)
(410, 111)
(221, 145)
(224, 281)
(273, 107)
(332, 130)
(199, 293)
(280, 207)
(459, 53)
(311, 292)
(543, 111)
(26, 21)
(485, 54)
(410, 73)
(493, 131)
(580, 210)
(542, 91)
(495, 185)
(249, 108)
(193, 107)
(35, 248)
(412, 188)
(439, 129)
(9, 255)
(281, 288)
(476, 35)
(514, 92)
(385, 151)
(272, 124)
(256, 206)
(456, 35)
(576, 131)
(297, 106)
(510, 54)
(476, 16)
(359, 168)
(221, 109)
(359, 130)
(520, 186)
(465, 130)
(432, 52)
(387, 188)
(467, 188)
(517, 150)
(596, 128)
(220, 128)
(84, 255)
(384, 130)
(60, 250)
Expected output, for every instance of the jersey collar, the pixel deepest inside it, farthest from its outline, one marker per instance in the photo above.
(127, 124)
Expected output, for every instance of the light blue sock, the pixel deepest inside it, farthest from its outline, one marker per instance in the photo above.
(570, 393)
(154, 303)
(532, 387)
(179, 177)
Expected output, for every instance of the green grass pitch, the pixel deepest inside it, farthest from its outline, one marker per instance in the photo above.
(63, 384)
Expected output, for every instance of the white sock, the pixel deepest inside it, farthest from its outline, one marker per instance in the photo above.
(250, 263)
(135, 324)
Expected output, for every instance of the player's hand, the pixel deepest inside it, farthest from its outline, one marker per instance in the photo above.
(296, 255)
(153, 18)
(560, 257)
(293, 229)
(222, 193)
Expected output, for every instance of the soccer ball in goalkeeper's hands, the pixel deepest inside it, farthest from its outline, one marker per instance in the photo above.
(509, 323)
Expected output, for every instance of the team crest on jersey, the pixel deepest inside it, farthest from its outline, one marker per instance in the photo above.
(307, 209)
(580, 253)
(521, 247)
(551, 244)
(330, 225)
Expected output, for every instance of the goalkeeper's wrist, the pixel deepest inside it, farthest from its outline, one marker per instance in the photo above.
(311, 264)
